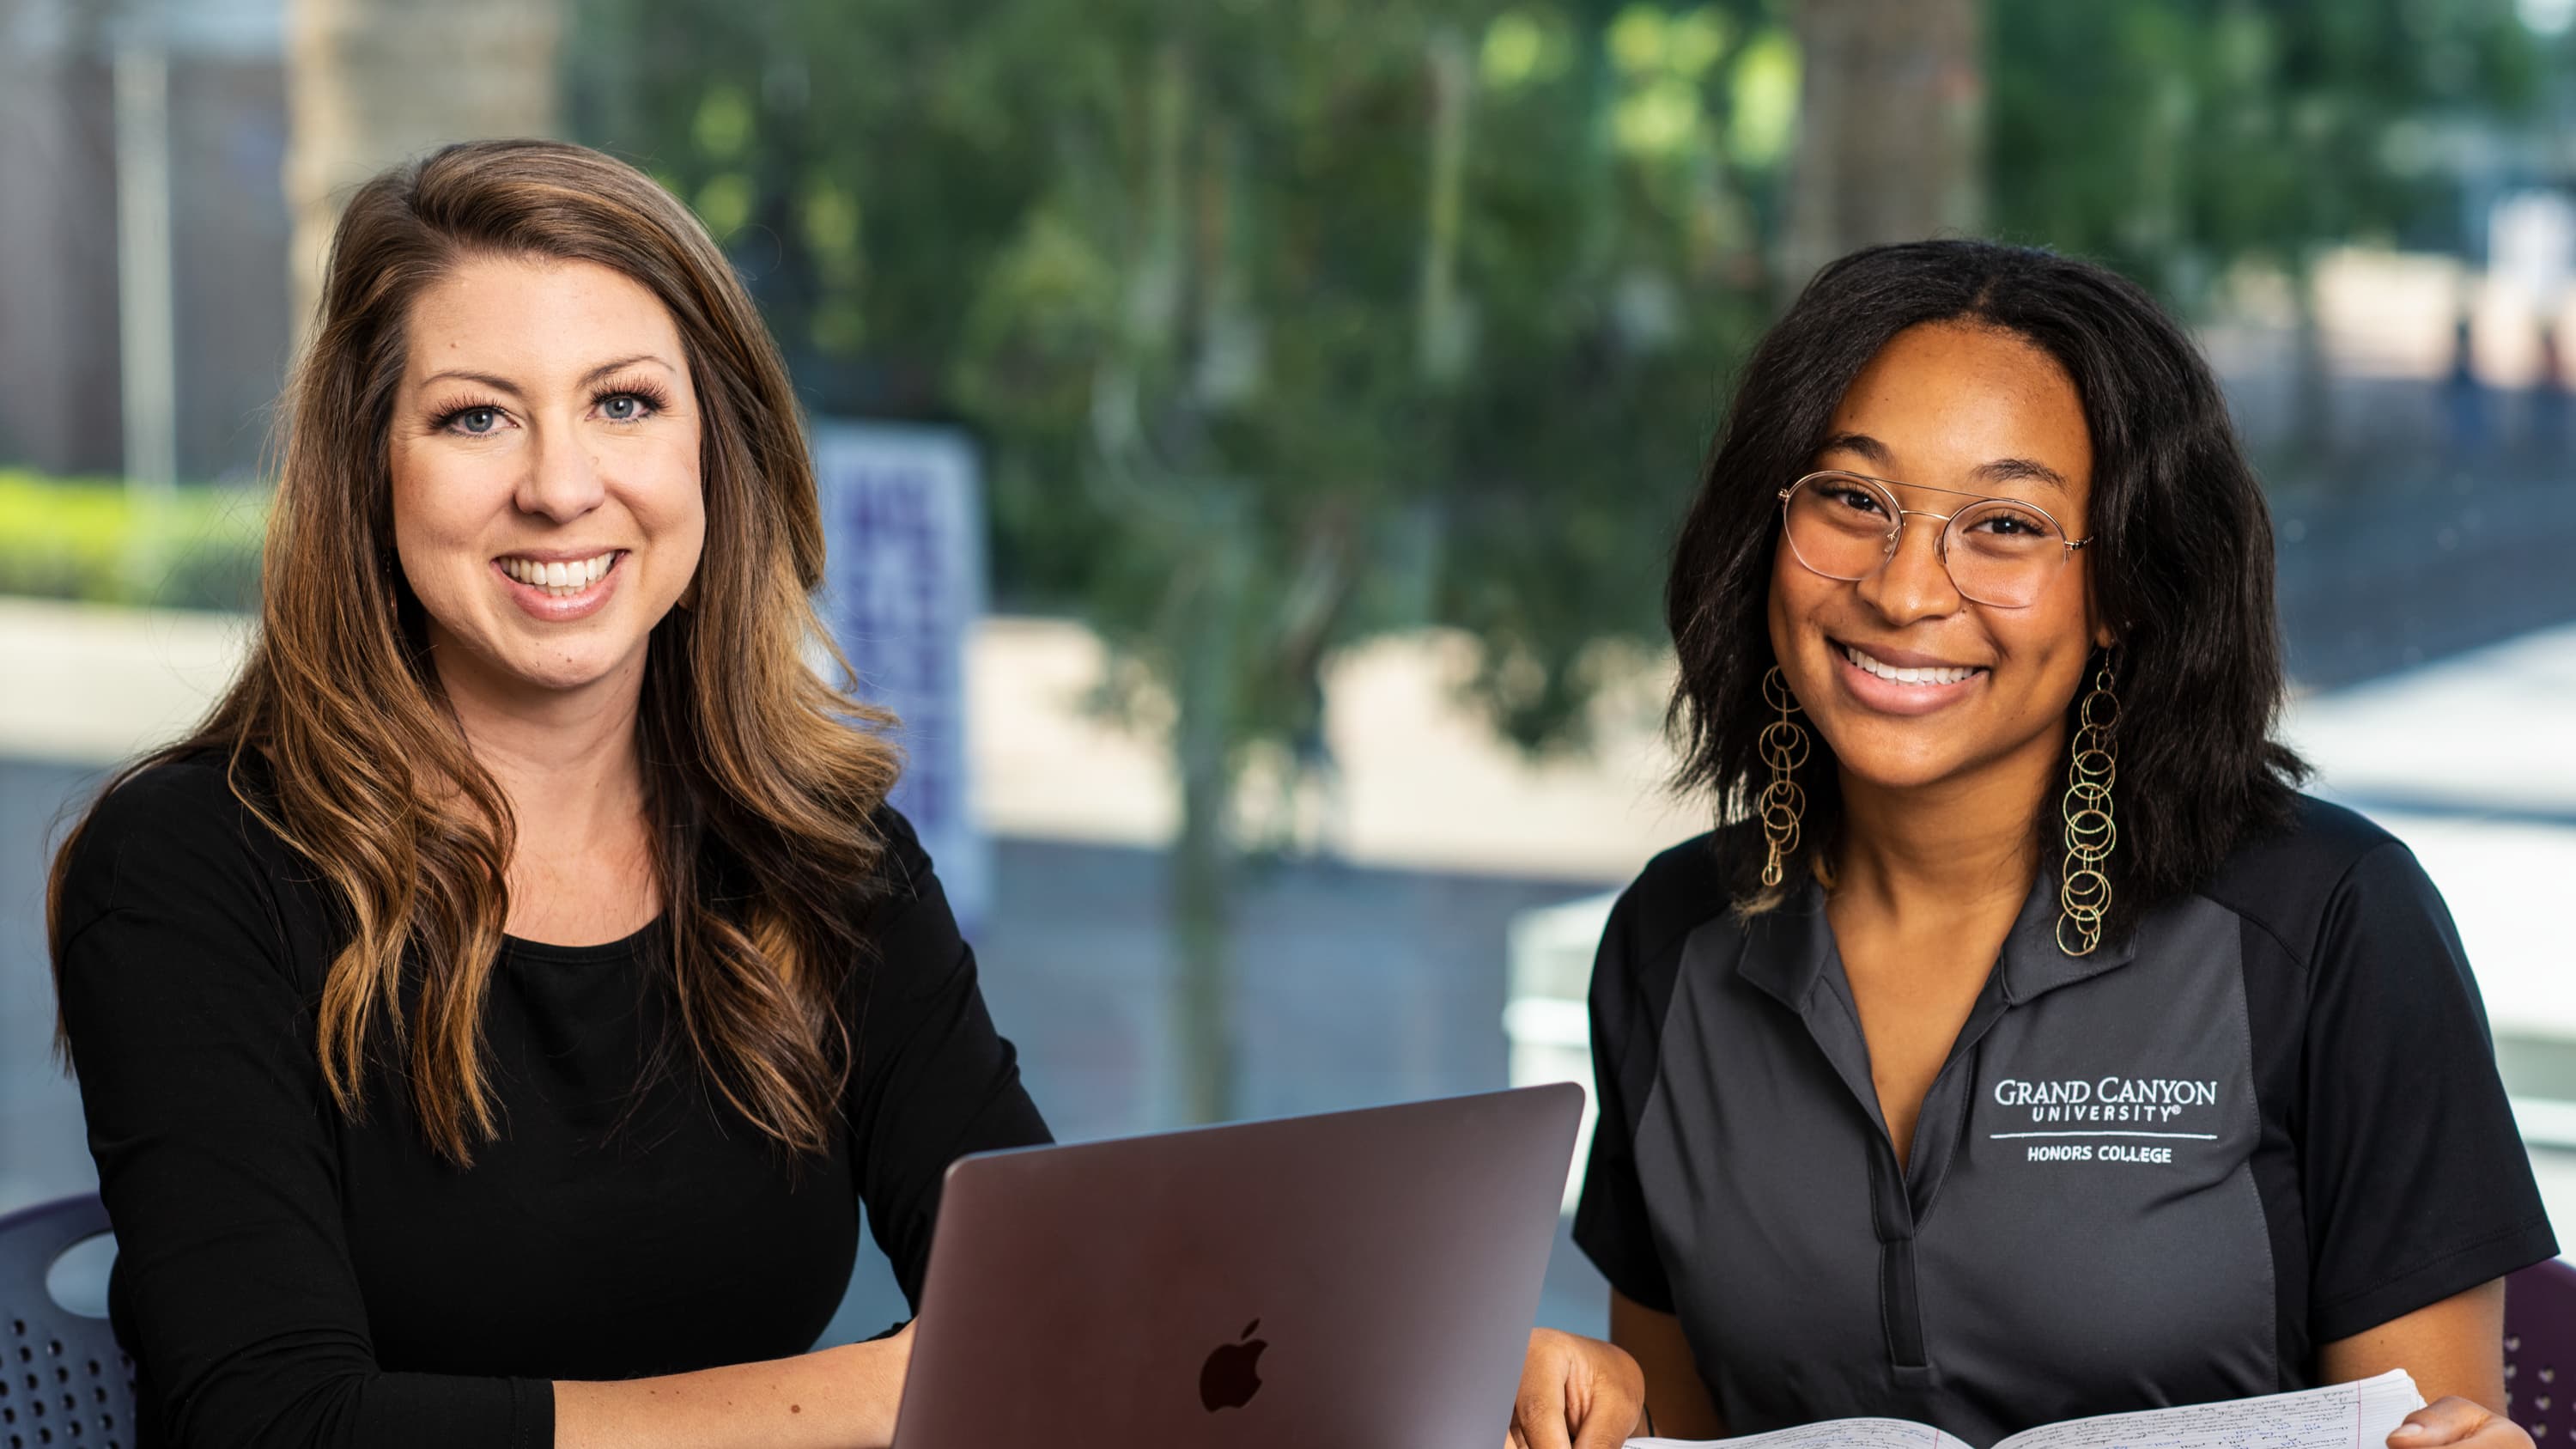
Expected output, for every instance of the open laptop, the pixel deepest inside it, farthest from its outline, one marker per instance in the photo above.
(1355, 1278)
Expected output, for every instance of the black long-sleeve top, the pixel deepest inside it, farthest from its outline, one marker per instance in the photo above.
(286, 1276)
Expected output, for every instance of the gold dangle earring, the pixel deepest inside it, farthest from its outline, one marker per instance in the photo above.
(2093, 762)
(1783, 803)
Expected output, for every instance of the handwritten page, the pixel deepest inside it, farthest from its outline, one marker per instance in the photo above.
(1837, 1434)
(2343, 1416)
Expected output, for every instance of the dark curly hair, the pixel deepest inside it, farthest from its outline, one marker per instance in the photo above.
(2183, 569)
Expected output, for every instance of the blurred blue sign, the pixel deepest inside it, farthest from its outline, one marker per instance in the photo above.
(903, 585)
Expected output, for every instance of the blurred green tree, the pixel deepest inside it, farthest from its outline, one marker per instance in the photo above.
(1285, 323)
(2175, 139)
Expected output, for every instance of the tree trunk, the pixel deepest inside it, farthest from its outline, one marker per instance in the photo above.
(1441, 340)
(1890, 127)
(374, 82)
(1203, 1001)
(1203, 857)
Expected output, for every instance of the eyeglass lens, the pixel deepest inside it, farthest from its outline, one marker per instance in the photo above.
(1998, 552)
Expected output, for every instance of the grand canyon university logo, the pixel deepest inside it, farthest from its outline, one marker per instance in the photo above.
(2105, 1119)
(2108, 1099)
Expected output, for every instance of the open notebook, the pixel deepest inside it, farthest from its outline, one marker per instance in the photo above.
(2344, 1416)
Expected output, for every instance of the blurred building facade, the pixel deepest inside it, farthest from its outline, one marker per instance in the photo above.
(60, 356)
(274, 110)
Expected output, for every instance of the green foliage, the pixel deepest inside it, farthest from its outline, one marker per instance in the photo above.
(1284, 322)
(2173, 138)
(98, 541)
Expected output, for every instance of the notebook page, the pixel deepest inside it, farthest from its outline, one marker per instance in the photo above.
(1834, 1434)
(2343, 1416)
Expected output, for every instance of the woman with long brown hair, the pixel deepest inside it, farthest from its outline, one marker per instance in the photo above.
(491, 1020)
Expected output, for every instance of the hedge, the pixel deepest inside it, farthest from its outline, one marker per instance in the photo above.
(98, 541)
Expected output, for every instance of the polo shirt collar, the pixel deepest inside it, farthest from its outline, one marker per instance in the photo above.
(1787, 947)
(2033, 965)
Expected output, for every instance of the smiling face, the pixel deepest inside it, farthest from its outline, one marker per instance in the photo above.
(546, 500)
(1910, 683)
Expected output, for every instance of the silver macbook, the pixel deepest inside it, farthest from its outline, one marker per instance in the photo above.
(1349, 1279)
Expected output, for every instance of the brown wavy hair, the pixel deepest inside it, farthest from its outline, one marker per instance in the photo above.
(762, 778)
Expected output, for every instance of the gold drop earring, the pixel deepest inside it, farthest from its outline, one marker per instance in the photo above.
(1783, 802)
(2093, 763)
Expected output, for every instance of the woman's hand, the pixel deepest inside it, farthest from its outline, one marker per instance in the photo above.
(1581, 1393)
(2455, 1420)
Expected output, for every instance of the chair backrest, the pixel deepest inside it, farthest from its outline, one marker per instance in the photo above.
(64, 1384)
(2540, 1349)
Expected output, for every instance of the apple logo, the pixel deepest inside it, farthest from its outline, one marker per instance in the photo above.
(1232, 1374)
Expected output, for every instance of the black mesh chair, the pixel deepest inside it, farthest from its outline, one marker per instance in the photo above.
(64, 1384)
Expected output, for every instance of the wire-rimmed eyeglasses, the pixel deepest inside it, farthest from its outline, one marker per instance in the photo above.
(2000, 552)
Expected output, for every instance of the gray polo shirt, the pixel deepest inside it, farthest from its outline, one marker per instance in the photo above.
(2164, 1173)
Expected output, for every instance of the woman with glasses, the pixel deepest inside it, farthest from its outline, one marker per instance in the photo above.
(2023, 1046)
